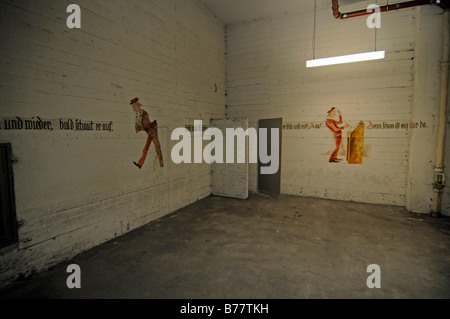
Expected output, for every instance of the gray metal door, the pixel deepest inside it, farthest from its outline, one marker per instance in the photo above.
(270, 183)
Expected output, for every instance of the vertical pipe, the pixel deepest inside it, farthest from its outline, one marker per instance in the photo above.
(439, 175)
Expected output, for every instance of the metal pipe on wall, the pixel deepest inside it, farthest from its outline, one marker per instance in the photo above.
(439, 175)
(386, 8)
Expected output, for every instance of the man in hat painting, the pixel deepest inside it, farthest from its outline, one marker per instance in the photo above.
(333, 125)
(143, 124)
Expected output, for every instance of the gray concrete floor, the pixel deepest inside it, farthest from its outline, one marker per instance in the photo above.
(263, 248)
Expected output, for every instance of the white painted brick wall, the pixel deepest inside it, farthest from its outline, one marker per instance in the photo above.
(76, 190)
(267, 78)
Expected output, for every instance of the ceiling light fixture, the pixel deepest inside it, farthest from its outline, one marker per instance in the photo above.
(351, 58)
(359, 57)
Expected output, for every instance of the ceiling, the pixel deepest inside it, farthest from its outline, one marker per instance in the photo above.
(234, 11)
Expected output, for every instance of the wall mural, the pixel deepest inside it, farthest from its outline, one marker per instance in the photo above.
(143, 124)
(355, 145)
(351, 148)
(333, 123)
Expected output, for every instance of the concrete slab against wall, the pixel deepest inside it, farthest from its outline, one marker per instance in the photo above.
(230, 179)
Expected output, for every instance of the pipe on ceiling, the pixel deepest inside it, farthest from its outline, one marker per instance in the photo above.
(386, 8)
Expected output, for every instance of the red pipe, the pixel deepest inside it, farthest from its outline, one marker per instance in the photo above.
(398, 6)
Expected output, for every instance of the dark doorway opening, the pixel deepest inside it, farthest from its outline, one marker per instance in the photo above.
(271, 184)
(8, 224)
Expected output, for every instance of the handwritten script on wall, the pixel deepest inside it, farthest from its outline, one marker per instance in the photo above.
(67, 124)
(370, 125)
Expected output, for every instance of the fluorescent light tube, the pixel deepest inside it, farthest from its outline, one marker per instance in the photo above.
(359, 57)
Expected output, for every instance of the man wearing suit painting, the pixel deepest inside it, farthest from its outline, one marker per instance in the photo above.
(334, 127)
(143, 124)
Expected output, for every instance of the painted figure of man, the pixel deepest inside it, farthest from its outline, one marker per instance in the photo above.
(334, 127)
(143, 124)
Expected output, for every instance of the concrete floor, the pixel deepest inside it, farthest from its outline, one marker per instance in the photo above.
(263, 248)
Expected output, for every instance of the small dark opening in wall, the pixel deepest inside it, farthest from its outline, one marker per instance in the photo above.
(8, 223)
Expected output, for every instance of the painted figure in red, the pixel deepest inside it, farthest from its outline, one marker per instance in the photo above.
(143, 124)
(334, 127)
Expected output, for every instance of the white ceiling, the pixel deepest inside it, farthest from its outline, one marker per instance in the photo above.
(233, 11)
